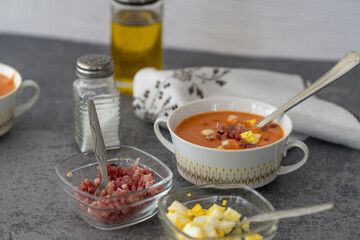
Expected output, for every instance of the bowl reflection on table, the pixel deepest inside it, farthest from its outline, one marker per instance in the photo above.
(241, 198)
(114, 212)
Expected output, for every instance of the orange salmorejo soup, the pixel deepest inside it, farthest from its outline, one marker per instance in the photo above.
(6, 84)
(228, 130)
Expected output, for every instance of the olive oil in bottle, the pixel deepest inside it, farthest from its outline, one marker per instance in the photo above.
(136, 41)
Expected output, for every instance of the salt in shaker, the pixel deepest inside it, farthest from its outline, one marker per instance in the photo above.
(95, 72)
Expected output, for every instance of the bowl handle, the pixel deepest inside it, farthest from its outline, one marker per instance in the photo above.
(22, 108)
(299, 144)
(159, 135)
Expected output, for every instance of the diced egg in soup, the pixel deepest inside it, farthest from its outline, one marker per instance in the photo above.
(228, 130)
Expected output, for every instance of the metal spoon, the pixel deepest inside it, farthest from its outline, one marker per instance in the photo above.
(284, 214)
(99, 146)
(343, 66)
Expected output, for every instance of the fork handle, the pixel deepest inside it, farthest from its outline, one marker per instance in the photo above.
(289, 213)
(343, 66)
(98, 142)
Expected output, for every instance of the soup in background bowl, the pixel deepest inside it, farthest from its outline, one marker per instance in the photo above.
(254, 167)
(7, 84)
(11, 86)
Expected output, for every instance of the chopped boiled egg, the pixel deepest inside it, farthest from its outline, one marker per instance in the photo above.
(232, 119)
(246, 226)
(231, 214)
(177, 207)
(228, 144)
(189, 214)
(198, 222)
(213, 221)
(209, 230)
(201, 220)
(250, 137)
(226, 226)
(207, 132)
(193, 230)
(224, 143)
(215, 207)
(252, 122)
(216, 212)
(177, 219)
(221, 147)
(255, 236)
(197, 210)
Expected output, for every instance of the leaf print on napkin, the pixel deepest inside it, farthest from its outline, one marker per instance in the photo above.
(164, 95)
(151, 106)
(216, 76)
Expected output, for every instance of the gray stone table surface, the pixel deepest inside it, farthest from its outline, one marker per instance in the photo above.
(33, 206)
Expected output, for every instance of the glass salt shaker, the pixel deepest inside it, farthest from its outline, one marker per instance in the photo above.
(95, 72)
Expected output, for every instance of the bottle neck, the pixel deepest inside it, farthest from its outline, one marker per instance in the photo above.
(136, 2)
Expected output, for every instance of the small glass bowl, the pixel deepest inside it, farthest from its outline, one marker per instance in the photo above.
(242, 198)
(118, 211)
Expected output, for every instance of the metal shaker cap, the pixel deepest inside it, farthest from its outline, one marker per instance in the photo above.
(95, 66)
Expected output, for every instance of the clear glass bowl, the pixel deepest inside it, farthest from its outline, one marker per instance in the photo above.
(242, 198)
(118, 211)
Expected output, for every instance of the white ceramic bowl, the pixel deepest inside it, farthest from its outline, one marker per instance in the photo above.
(8, 108)
(254, 167)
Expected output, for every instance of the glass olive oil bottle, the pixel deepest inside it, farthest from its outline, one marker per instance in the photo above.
(136, 39)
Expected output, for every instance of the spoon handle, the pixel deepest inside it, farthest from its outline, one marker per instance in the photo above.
(343, 66)
(289, 213)
(98, 144)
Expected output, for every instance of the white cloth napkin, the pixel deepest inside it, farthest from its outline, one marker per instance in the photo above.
(157, 93)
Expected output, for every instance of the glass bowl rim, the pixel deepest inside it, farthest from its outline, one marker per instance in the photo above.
(167, 179)
(162, 209)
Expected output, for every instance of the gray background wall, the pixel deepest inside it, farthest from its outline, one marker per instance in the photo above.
(306, 29)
